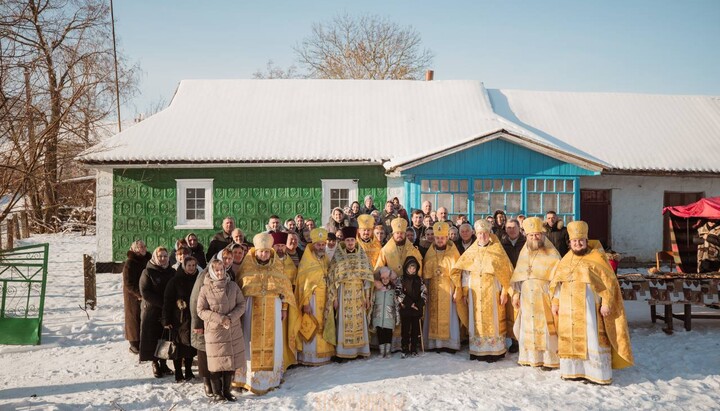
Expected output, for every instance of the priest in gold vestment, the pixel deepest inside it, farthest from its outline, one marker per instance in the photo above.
(593, 336)
(366, 240)
(535, 325)
(393, 255)
(482, 280)
(270, 306)
(311, 294)
(349, 285)
(441, 329)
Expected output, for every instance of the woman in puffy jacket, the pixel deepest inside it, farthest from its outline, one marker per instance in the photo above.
(220, 305)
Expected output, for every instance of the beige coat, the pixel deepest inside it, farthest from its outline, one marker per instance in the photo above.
(225, 348)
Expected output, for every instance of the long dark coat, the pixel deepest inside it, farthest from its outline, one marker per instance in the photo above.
(134, 266)
(153, 281)
(177, 295)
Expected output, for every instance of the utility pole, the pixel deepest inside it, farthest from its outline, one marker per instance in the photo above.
(117, 81)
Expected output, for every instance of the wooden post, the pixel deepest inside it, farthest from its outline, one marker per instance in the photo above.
(24, 225)
(90, 284)
(10, 234)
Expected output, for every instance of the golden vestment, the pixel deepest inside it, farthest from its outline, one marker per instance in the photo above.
(531, 279)
(393, 257)
(352, 274)
(372, 249)
(488, 271)
(436, 272)
(312, 281)
(574, 273)
(264, 283)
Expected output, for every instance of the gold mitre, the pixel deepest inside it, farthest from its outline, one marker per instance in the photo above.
(399, 225)
(483, 225)
(263, 241)
(533, 225)
(318, 234)
(441, 229)
(577, 230)
(366, 222)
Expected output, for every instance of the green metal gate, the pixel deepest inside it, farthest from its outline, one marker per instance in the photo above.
(23, 276)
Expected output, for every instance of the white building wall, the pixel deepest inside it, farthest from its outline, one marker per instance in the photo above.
(104, 215)
(636, 222)
(395, 188)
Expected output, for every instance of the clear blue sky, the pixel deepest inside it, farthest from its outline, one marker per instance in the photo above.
(644, 46)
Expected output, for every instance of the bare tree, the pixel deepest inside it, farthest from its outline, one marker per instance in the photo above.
(275, 72)
(56, 86)
(368, 47)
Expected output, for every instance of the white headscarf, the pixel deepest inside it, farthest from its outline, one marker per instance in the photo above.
(213, 274)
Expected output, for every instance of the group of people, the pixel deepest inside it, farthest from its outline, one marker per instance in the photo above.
(251, 310)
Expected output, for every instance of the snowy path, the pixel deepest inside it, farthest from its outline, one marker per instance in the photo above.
(85, 364)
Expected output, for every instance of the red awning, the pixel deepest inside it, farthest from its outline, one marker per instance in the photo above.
(704, 208)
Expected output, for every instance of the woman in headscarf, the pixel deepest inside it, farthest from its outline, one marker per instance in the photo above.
(176, 315)
(137, 259)
(220, 305)
(153, 281)
(238, 255)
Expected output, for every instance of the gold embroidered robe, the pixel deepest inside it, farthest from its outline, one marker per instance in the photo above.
(484, 266)
(436, 272)
(353, 273)
(372, 249)
(574, 274)
(312, 280)
(531, 279)
(264, 283)
(393, 256)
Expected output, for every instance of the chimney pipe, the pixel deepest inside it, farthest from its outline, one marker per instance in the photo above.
(429, 75)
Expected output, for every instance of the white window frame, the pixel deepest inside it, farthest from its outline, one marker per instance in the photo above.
(327, 185)
(182, 222)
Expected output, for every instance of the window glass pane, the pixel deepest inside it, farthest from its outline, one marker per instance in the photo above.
(444, 185)
(444, 200)
(550, 185)
(497, 201)
(189, 193)
(453, 185)
(487, 185)
(461, 201)
(550, 202)
(190, 214)
(477, 184)
(567, 204)
(530, 185)
(533, 204)
(334, 193)
(516, 185)
(497, 185)
(560, 185)
(199, 193)
(463, 185)
(569, 185)
(513, 203)
(200, 214)
(334, 203)
(434, 185)
(481, 202)
(539, 185)
(344, 194)
(425, 185)
(200, 203)
(189, 203)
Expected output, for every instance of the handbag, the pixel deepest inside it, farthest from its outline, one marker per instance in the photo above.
(166, 348)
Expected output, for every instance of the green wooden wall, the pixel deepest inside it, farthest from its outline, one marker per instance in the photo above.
(144, 200)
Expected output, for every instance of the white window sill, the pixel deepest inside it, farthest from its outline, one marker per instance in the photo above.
(194, 227)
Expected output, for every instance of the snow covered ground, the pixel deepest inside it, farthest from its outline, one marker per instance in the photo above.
(85, 364)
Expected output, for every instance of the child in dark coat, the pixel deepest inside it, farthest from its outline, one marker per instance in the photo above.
(411, 296)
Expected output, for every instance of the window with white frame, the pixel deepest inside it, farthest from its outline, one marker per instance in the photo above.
(337, 193)
(194, 203)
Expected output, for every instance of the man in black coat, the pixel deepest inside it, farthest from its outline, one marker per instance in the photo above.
(221, 239)
(513, 240)
(557, 233)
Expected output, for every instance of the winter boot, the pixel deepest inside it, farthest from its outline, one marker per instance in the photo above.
(217, 387)
(177, 364)
(188, 369)
(157, 372)
(164, 368)
(208, 387)
(227, 382)
(388, 353)
(383, 353)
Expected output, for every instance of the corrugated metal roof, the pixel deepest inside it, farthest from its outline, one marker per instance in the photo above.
(633, 132)
(303, 121)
